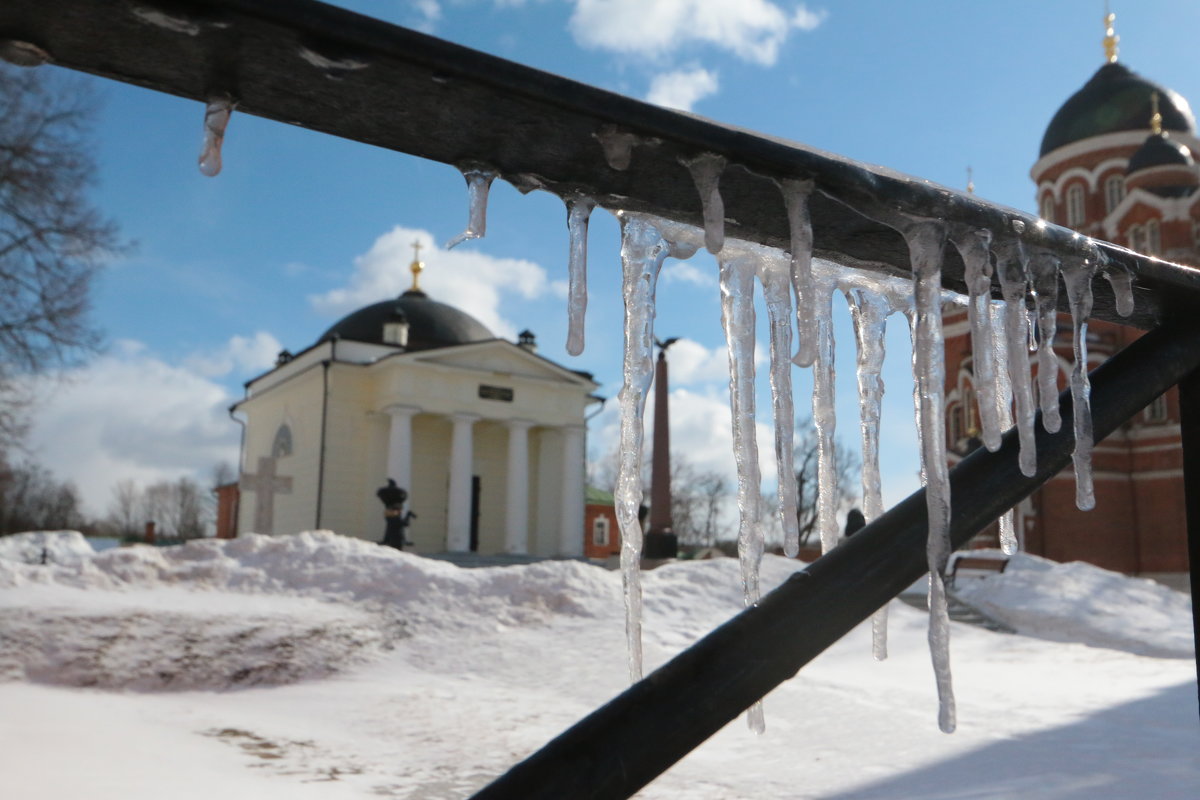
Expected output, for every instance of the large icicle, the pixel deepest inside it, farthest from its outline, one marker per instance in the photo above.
(1045, 284)
(1011, 267)
(579, 211)
(1121, 281)
(1003, 397)
(774, 274)
(926, 241)
(973, 246)
(706, 170)
(1077, 275)
(737, 317)
(479, 179)
(216, 118)
(795, 196)
(824, 412)
(643, 250)
(869, 312)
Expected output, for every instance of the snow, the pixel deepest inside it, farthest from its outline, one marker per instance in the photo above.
(379, 673)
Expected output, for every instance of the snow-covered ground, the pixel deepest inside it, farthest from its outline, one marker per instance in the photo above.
(315, 666)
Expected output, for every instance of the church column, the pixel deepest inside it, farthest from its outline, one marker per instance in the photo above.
(400, 444)
(516, 529)
(462, 456)
(573, 476)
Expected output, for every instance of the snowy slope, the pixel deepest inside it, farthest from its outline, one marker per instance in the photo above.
(320, 666)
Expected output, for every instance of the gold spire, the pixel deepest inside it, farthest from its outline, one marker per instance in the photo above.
(970, 183)
(417, 266)
(1155, 117)
(1111, 40)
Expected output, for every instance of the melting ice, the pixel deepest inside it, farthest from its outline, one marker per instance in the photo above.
(216, 117)
(479, 179)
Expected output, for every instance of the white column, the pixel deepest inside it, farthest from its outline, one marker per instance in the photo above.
(400, 445)
(573, 476)
(516, 528)
(458, 511)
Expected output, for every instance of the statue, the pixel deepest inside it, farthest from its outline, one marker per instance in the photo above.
(394, 516)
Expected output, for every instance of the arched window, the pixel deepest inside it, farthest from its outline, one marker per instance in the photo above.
(282, 446)
(954, 426)
(1048, 208)
(1157, 410)
(1075, 209)
(1153, 237)
(1136, 240)
(1114, 192)
(600, 528)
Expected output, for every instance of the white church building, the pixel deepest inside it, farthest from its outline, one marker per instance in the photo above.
(485, 435)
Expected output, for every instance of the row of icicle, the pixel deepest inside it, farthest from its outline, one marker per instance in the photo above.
(1003, 334)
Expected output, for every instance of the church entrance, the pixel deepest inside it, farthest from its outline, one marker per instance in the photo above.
(475, 513)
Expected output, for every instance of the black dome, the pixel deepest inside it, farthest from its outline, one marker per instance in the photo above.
(1159, 151)
(1115, 99)
(431, 324)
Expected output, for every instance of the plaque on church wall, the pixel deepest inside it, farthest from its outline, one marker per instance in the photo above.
(495, 393)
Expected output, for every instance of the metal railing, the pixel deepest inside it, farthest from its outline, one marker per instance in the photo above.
(309, 64)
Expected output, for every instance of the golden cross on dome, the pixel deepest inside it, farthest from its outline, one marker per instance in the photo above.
(970, 183)
(1155, 116)
(417, 266)
(1111, 40)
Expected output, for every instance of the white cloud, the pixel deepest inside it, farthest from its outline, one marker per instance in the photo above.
(241, 354)
(752, 30)
(687, 272)
(428, 12)
(692, 363)
(682, 88)
(470, 280)
(808, 20)
(130, 415)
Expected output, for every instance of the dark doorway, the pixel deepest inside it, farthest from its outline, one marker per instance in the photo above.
(474, 513)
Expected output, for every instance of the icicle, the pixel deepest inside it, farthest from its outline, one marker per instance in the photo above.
(869, 312)
(973, 246)
(824, 414)
(1003, 398)
(579, 211)
(795, 197)
(643, 250)
(1121, 281)
(1078, 274)
(774, 274)
(1045, 285)
(926, 241)
(617, 145)
(216, 117)
(706, 170)
(737, 317)
(479, 180)
(1011, 267)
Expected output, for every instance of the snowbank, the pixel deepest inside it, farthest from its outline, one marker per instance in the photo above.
(1079, 602)
(57, 547)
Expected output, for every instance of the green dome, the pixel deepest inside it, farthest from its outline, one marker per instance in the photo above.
(1115, 99)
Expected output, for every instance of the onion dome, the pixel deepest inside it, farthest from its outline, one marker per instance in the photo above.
(1115, 99)
(1162, 165)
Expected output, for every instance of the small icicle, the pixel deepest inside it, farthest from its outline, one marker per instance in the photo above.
(1003, 397)
(869, 312)
(926, 241)
(216, 117)
(1077, 275)
(774, 274)
(795, 198)
(737, 317)
(824, 412)
(973, 246)
(706, 170)
(1045, 284)
(617, 145)
(479, 180)
(1121, 281)
(1011, 267)
(579, 211)
(643, 250)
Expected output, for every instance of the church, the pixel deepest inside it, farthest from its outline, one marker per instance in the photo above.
(485, 435)
(1115, 164)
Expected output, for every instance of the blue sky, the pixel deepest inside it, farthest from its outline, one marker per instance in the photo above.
(301, 228)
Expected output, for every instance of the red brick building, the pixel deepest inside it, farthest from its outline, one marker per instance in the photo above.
(1116, 164)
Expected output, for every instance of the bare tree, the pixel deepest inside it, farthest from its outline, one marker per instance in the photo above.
(846, 465)
(178, 508)
(51, 240)
(124, 514)
(31, 499)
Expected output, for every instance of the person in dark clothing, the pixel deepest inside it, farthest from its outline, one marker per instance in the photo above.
(395, 520)
(855, 521)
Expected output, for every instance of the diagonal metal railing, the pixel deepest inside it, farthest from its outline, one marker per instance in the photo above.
(305, 63)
